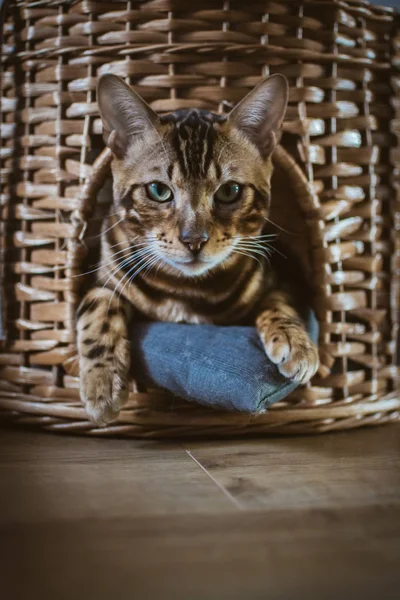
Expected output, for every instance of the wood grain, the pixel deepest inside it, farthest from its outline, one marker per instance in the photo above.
(335, 471)
(304, 554)
(79, 479)
(311, 517)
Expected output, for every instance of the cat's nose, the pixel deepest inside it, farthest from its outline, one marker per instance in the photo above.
(195, 243)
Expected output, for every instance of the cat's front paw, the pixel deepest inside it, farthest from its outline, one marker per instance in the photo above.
(293, 352)
(104, 391)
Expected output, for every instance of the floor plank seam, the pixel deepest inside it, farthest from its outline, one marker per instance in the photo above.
(232, 499)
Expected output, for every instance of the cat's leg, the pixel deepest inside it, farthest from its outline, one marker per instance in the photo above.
(104, 354)
(285, 339)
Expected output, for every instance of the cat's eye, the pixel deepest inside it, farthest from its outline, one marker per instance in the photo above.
(159, 192)
(229, 192)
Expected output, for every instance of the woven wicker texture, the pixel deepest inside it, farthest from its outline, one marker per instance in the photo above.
(341, 59)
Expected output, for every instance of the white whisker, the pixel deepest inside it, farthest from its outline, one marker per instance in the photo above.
(139, 267)
(133, 247)
(101, 264)
(243, 253)
(279, 227)
(251, 250)
(129, 245)
(126, 262)
(143, 256)
(263, 236)
(109, 229)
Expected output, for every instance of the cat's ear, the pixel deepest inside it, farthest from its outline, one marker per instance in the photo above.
(124, 114)
(260, 114)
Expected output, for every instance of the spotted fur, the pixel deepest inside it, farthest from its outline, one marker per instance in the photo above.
(192, 259)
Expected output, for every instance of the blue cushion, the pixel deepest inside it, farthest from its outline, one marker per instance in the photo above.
(217, 366)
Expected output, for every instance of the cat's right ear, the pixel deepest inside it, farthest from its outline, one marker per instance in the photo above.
(125, 115)
(260, 114)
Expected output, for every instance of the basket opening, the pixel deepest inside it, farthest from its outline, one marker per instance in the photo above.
(292, 216)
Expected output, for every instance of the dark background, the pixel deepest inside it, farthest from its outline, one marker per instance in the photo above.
(395, 3)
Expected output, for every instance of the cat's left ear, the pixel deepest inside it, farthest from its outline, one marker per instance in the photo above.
(260, 114)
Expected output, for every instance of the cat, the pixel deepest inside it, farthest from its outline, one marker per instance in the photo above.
(184, 239)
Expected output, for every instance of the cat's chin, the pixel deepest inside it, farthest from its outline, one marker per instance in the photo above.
(193, 268)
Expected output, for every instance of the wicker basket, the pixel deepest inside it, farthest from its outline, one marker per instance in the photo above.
(340, 162)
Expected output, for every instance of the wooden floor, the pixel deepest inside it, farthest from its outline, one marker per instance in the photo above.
(287, 518)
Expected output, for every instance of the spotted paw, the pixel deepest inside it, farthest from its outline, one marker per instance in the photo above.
(293, 352)
(104, 391)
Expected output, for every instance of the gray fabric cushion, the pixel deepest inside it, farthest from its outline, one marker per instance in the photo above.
(218, 366)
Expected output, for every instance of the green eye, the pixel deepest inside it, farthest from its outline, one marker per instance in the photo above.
(229, 192)
(158, 192)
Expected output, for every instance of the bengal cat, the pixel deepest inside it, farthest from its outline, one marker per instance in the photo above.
(184, 239)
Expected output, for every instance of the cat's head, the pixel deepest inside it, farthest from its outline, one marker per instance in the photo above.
(192, 185)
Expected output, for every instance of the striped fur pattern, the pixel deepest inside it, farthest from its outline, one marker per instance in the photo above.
(194, 257)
